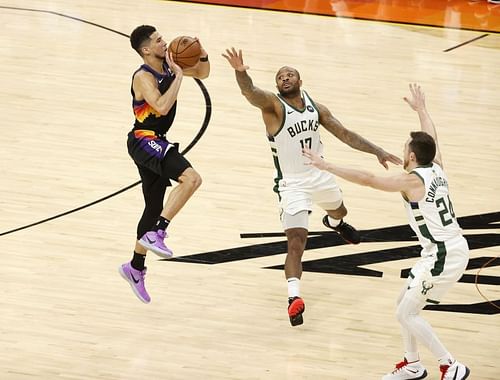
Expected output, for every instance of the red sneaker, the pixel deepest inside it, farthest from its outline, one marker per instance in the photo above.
(296, 307)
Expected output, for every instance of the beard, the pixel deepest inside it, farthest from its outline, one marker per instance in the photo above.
(290, 92)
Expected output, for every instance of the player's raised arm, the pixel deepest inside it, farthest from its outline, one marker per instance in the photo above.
(417, 103)
(262, 99)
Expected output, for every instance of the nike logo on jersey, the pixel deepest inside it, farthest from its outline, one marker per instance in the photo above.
(161, 80)
(289, 112)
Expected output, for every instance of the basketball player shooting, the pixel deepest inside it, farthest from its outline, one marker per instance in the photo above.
(155, 86)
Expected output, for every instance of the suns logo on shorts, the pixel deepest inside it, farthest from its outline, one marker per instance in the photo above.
(155, 146)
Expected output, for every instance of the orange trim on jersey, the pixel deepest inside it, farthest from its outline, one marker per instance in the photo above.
(144, 110)
(140, 133)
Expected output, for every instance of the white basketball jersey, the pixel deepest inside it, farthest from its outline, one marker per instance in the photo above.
(432, 218)
(299, 129)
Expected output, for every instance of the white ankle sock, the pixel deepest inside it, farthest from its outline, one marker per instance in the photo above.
(446, 359)
(293, 287)
(411, 357)
(333, 222)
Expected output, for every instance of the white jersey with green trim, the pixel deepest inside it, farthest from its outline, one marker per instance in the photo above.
(433, 218)
(299, 129)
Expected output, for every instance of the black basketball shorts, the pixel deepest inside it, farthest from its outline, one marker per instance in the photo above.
(156, 154)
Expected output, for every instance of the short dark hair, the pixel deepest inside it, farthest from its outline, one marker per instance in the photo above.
(424, 147)
(288, 68)
(140, 35)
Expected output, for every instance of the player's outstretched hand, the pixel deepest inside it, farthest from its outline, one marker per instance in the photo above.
(315, 159)
(235, 59)
(384, 157)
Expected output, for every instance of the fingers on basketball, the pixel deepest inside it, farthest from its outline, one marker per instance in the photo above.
(185, 51)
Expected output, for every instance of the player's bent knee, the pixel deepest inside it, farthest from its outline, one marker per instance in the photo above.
(409, 307)
(191, 178)
(197, 181)
(338, 213)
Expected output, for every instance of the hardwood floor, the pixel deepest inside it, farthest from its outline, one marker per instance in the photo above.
(219, 310)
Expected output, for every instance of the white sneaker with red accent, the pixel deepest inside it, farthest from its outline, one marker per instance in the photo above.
(456, 371)
(407, 371)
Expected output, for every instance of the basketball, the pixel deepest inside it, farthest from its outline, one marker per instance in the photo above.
(185, 51)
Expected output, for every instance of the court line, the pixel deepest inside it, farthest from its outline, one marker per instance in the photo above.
(465, 43)
(203, 128)
(487, 264)
(66, 16)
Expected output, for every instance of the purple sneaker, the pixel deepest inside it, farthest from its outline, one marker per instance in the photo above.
(153, 240)
(136, 280)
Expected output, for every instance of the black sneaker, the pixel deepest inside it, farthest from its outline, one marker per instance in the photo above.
(345, 230)
(296, 307)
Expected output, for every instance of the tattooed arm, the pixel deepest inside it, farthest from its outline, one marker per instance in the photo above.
(269, 104)
(262, 99)
(352, 139)
(257, 97)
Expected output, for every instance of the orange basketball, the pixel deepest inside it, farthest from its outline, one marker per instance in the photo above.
(185, 51)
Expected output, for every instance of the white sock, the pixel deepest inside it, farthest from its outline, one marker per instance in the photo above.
(446, 359)
(412, 357)
(293, 287)
(333, 222)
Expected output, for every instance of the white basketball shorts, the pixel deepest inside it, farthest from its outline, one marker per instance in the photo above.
(435, 273)
(300, 193)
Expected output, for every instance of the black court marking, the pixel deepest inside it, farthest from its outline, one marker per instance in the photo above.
(465, 43)
(204, 126)
(359, 263)
(66, 16)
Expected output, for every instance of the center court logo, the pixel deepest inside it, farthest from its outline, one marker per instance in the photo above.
(355, 264)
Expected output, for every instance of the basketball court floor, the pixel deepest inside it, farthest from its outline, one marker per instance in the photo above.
(70, 198)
